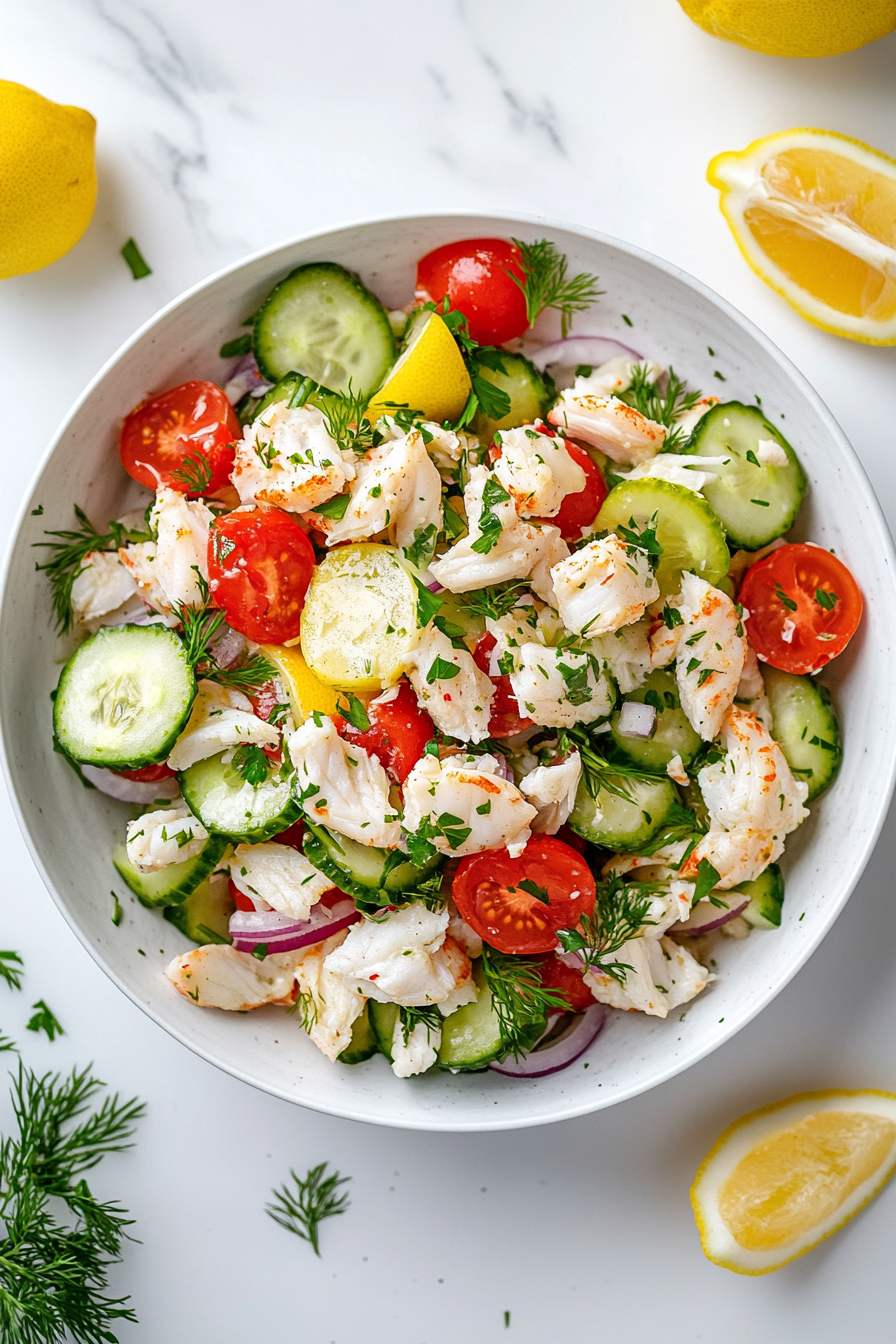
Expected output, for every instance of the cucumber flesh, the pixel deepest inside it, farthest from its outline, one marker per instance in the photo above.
(805, 727)
(204, 917)
(766, 893)
(364, 1042)
(624, 824)
(754, 503)
(530, 392)
(322, 322)
(377, 876)
(174, 884)
(687, 529)
(471, 1037)
(673, 734)
(383, 1017)
(124, 697)
(225, 804)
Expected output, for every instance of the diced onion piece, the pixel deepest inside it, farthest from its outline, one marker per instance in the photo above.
(636, 720)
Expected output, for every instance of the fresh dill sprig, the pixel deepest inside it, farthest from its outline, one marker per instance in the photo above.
(44, 1019)
(195, 472)
(53, 1273)
(344, 415)
(520, 1000)
(248, 673)
(619, 912)
(6, 1043)
(12, 968)
(200, 625)
(597, 772)
(68, 554)
(315, 1198)
(545, 283)
(662, 408)
(496, 601)
(429, 1017)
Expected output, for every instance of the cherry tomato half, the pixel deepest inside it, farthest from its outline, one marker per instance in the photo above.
(555, 974)
(183, 439)
(517, 905)
(506, 719)
(804, 607)
(148, 774)
(259, 566)
(398, 733)
(473, 274)
(579, 511)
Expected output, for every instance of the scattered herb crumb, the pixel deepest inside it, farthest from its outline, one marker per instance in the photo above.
(44, 1019)
(36, 513)
(135, 260)
(140, 950)
(117, 911)
(711, 351)
(507, 1320)
(721, 377)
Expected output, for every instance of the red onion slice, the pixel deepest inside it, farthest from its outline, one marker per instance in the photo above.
(706, 916)
(244, 377)
(130, 790)
(560, 1053)
(575, 350)
(251, 928)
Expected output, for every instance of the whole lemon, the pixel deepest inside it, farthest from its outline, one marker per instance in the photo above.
(795, 27)
(48, 178)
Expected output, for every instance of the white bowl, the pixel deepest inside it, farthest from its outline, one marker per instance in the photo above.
(71, 831)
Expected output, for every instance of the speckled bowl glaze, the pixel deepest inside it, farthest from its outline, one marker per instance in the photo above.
(71, 831)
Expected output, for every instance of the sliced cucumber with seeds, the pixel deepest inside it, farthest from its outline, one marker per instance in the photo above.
(673, 734)
(204, 917)
(176, 883)
(624, 824)
(766, 893)
(754, 502)
(471, 1037)
(530, 393)
(686, 527)
(805, 727)
(225, 803)
(377, 876)
(383, 1017)
(124, 697)
(322, 322)
(364, 1041)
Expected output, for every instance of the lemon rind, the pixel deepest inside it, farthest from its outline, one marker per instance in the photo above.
(718, 1244)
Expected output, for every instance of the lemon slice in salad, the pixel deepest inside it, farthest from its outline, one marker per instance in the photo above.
(782, 1179)
(306, 693)
(429, 376)
(814, 214)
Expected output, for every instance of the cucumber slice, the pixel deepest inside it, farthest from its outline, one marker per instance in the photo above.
(124, 697)
(174, 884)
(530, 392)
(363, 1043)
(360, 617)
(246, 813)
(471, 1037)
(687, 529)
(377, 876)
(754, 503)
(673, 735)
(805, 727)
(322, 322)
(620, 824)
(766, 893)
(204, 917)
(383, 1017)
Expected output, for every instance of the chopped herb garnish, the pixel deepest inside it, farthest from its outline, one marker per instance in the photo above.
(355, 713)
(44, 1019)
(827, 601)
(240, 345)
(135, 260)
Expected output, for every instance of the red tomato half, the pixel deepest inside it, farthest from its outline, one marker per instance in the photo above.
(474, 276)
(147, 774)
(398, 733)
(579, 511)
(506, 719)
(804, 607)
(488, 894)
(555, 974)
(194, 421)
(259, 567)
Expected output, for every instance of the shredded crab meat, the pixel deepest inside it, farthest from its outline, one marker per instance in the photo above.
(287, 458)
(607, 423)
(537, 471)
(604, 585)
(467, 805)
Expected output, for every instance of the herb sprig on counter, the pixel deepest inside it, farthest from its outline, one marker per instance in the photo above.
(303, 1207)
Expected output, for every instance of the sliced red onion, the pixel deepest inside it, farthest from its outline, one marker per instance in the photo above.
(244, 377)
(504, 771)
(705, 915)
(636, 720)
(575, 350)
(560, 1053)
(227, 646)
(130, 790)
(435, 587)
(280, 933)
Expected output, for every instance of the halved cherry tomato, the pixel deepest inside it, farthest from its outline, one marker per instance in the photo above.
(293, 835)
(506, 719)
(558, 888)
(473, 274)
(398, 733)
(555, 974)
(147, 774)
(183, 439)
(569, 837)
(265, 700)
(804, 607)
(259, 566)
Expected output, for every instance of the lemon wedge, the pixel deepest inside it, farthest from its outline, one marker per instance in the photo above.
(782, 1179)
(306, 693)
(814, 214)
(795, 27)
(429, 376)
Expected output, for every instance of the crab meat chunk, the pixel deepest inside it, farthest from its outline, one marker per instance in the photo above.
(614, 376)
(458, 701)
(607, 423)
(688, 420)
(416, 1052)
(396, 484)
(467, 806)
(102, 586)
(603, 586)
(220, 718)
(287, 458)
(181, 558)
(552, 789)
(170, 835)
(626, 653)
(342, 786)
(556, 686)
(330, 1005)
(406, 958)
(280, 876)
(537, 471)
(710, 656)
(661, 976)
(218, 976)
(691, 472)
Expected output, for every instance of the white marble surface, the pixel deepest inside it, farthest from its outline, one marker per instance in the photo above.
(223, 127)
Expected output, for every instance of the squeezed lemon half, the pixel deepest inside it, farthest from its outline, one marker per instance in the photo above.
(782, 1179)
(814, 214)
